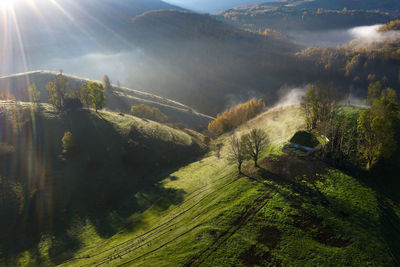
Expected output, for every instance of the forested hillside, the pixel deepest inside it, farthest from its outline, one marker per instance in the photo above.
(259, 17)
(216, 64)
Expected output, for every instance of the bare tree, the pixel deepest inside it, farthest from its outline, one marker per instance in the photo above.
(255, 143)
(237, 152)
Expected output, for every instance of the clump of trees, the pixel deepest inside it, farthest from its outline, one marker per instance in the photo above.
(320, 105)
(96, 95)
(90, 95)
(249, 146)
(391, 26)
(147, 112)
(376, 126)
(57, 91)
(364, 137)
(232, 118)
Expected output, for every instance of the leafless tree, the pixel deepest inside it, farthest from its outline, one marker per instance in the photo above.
(237, 152)
(255, 142)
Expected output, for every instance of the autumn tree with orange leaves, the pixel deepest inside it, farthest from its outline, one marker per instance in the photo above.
(233, 117)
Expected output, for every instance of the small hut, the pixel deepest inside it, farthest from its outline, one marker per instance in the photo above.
(305, 141)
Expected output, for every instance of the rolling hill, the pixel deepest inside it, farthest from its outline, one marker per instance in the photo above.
(110, 158)
(67, 28)
(294, 210)
(121, 99)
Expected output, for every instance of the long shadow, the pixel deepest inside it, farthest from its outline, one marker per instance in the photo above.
(103, 180)
(391, 229)
(337, 207)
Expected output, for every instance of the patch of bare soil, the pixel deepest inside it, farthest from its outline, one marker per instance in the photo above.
(215, 233)
(269, 236)
(324, 234)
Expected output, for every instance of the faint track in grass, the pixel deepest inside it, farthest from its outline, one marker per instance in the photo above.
(129, 248)
(245, 217)
(162, 227)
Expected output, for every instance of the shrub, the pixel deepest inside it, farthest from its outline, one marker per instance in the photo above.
(206, 139)
(147, 112)
(68, 142)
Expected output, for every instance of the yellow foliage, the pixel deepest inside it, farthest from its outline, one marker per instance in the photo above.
(231, 118)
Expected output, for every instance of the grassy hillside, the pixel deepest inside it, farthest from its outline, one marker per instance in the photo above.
(46, 190)
(294, 210)
(121, 99)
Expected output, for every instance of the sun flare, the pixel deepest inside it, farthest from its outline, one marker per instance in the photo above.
(6, 3)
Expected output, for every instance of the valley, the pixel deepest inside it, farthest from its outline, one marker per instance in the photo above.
(199, 133)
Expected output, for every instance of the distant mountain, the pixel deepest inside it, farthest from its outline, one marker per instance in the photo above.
(66, 28)
(307, 15)
(205, 63)
(211, 6)
(392, 6)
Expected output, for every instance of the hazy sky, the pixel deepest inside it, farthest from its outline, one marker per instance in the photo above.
(211, 6)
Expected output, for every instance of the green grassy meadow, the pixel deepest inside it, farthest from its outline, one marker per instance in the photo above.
(292, 211)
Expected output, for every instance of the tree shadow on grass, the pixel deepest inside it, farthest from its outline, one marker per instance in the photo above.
(304, 194)
(105, 182)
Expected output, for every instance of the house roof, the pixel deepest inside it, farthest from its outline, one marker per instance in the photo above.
(306, 139)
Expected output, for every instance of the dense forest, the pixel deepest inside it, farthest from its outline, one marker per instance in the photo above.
(262, 16)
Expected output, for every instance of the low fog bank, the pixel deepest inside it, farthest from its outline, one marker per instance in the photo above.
(289, 96)
(340, 37)
(118, 66)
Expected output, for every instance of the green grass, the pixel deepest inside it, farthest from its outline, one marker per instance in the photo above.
(224, 219)
(121, 99)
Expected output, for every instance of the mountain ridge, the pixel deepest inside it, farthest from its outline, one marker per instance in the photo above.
(121, 99)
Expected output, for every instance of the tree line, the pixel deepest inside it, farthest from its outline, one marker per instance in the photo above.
(90, 95)
(365, 137)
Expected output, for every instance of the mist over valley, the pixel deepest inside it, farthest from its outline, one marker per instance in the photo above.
(199, 133)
